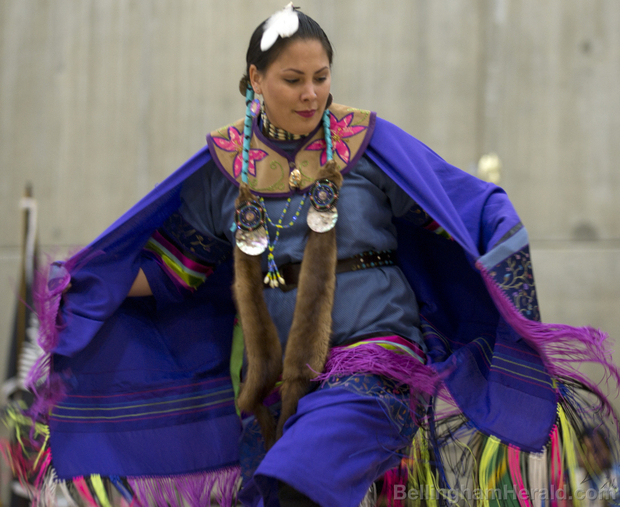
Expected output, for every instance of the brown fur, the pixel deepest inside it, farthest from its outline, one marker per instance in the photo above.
(262, 346)
(308, 340)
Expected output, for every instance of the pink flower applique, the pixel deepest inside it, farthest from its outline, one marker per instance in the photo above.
(340, 130)
(235, 144)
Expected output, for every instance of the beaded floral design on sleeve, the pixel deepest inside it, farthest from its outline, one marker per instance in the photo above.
(516, 278)
(190, 240)
(394, 397)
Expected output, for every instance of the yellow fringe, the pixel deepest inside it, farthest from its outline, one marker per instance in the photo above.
(99, 489)
(420, 474)
(568, 453)
(421, 477)
(15, 420)
(488, 469)
(46, 432)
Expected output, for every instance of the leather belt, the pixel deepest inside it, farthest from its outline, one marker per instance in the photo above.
(365, 260)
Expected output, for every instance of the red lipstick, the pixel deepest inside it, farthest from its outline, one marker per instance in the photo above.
(306, 114)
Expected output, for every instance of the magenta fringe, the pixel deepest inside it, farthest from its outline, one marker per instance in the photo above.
(49, 285)
(374, 359)
(193, 489)
(47, 296)
(392, 478)
(562, 348)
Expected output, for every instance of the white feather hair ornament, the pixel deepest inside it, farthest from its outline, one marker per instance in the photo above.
(283, 23)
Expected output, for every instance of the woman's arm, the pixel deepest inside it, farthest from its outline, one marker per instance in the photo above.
(140, 286)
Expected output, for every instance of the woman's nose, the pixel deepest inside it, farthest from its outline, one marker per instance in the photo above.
(308, 93)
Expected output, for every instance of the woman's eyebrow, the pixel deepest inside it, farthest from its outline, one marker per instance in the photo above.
(301, 72)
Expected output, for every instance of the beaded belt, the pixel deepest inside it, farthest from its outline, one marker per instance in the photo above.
(365, 260)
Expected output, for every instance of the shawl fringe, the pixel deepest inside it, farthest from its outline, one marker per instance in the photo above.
(562, 348)
(30, 460)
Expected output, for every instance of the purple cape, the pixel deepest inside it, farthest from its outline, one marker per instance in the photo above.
(163, 374)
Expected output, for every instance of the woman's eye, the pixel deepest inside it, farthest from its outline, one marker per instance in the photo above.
(321, 79)
(291, 81)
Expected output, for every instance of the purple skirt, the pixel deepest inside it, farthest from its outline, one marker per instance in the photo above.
(345, 435)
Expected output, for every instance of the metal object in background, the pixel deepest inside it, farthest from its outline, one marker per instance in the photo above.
(24, 349)
(490, 168)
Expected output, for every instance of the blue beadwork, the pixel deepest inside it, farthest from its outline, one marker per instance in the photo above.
(273, 277)
(247, 133)
(328, 135)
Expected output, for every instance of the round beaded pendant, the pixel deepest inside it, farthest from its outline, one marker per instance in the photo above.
(323, 215)
(250, 216)
(323, 195)
(251, 236)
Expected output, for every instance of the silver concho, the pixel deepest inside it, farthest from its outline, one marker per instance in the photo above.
(322, 221)
(252, 242)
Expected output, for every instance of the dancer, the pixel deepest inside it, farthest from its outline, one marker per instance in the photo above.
(369, 280)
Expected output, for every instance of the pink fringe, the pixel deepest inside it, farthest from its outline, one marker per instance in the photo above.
(192, 489)
(374, 359)
(561, 347)
(197, 488)
(15, 458)
(45, 464)
(557, 473)
(227, 483)
(391, 479)
(517, 478)
(47, 296)
(48, 388)
(82, 487)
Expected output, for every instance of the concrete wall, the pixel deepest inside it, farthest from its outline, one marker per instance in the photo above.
(101, 99)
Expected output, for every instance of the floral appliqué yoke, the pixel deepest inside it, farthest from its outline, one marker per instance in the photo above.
(341, 130)
(270, 166)
(234, 144)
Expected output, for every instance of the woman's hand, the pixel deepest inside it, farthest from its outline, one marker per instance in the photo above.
(140, 286)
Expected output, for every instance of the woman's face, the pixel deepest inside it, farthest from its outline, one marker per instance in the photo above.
(295, 86)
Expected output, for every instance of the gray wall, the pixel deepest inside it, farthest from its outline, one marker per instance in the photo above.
(101, 99)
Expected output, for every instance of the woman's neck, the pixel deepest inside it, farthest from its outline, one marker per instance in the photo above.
(273, 132)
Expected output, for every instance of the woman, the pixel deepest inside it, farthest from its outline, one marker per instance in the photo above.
(321, 214)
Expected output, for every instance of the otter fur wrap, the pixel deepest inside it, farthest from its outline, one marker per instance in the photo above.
(308, 341)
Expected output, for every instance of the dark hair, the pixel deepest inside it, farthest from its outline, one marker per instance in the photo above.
(308, 29)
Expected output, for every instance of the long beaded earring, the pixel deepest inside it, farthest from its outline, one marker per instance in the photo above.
(251, 235)
(323, 215)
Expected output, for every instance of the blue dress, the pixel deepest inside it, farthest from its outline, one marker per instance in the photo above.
(362, 412)
(369, 302)
(140, 388)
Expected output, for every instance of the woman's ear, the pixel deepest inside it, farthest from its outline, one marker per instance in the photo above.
(255, 79)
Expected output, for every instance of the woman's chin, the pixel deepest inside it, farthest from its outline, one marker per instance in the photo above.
(306, 125)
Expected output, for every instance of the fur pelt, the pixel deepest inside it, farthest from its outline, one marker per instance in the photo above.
(262, 346)
(308, 340)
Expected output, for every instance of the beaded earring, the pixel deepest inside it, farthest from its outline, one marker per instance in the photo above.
(323, 215)
(251, 235)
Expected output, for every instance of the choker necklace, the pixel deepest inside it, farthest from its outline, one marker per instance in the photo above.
(273, 132)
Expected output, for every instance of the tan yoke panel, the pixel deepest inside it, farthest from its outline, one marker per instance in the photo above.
(269, 169)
